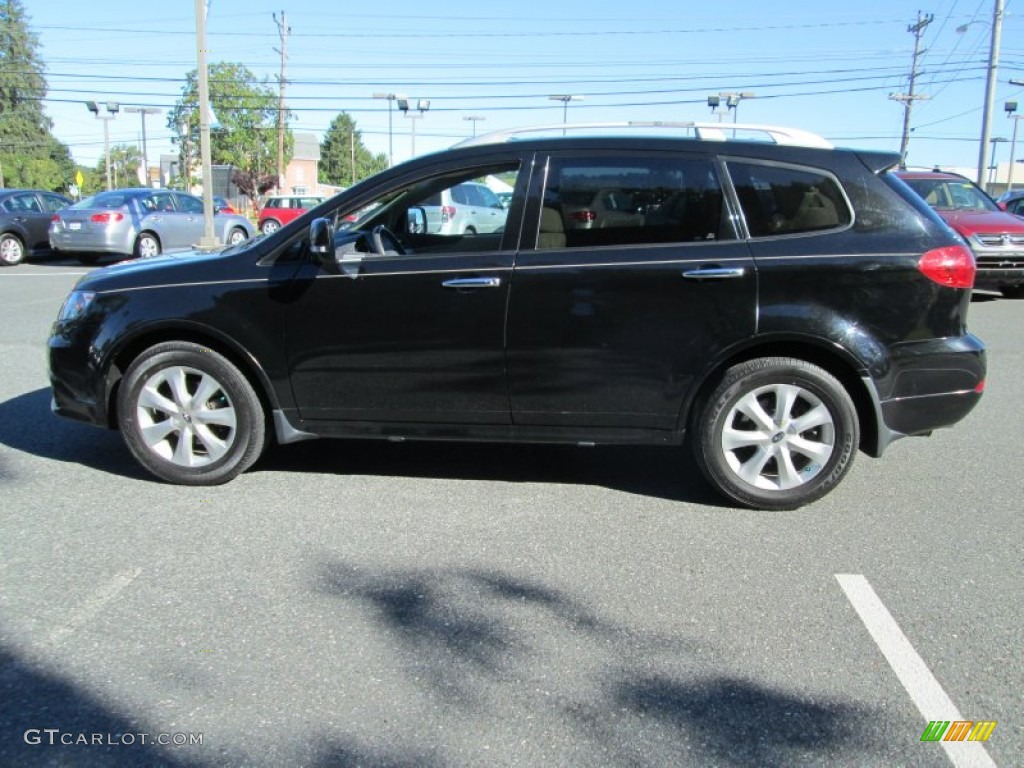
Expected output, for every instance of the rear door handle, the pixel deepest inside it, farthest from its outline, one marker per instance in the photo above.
(470, 283)
(714, 273)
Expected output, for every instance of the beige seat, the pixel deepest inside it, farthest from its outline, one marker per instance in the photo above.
(815, 212)
(552, 230)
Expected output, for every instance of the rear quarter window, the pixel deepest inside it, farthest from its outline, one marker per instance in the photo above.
(782, 200)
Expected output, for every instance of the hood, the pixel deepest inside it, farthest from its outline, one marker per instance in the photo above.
(983, 222)
(167, 267)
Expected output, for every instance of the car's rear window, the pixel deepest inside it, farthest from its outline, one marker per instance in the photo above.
(104, 200)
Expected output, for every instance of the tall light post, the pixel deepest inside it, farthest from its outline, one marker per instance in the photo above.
(1011, 108)
(391, 97)
(422, 105)
(143, 111)
(474, 119)
(565, 98)
(990, 84)
(112, 109)
(995, 141)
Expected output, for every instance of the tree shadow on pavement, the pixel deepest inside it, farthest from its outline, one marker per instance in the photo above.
(478, 640)
(32, 700)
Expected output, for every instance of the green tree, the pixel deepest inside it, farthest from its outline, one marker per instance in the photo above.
(246, 138)
(125, 160)
(30, 156)
(336, 155)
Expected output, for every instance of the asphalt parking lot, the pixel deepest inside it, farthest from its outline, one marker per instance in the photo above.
(364, 604)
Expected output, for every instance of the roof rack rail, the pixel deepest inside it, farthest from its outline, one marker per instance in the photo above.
(703, 131)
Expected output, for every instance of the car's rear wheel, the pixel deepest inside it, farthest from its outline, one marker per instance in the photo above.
(189, 416)
(12, 250)
(776, 433)
(237, 235)
(146, 245)
(269, 226)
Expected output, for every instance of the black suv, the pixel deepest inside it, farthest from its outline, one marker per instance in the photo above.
(779, 304)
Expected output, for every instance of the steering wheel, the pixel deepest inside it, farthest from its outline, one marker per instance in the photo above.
(381, 237)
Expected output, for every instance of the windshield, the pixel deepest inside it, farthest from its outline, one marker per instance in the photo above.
(952, 194)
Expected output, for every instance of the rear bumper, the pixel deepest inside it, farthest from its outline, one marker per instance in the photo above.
(930, 384)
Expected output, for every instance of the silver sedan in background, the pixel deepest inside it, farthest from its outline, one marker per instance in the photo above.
(139, 223)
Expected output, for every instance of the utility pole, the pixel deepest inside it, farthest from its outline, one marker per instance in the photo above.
(283, 30)
(990, 86)
(908, 98)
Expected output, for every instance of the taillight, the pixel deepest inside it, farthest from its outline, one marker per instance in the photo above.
(952, 266)
(106, 218)
(447, 213)
(584, 217)
(56, 217)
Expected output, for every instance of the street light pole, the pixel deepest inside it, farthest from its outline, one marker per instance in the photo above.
(111, 113)
(422, 105)
(474, 119)
(143, 111)
(565, 98)
(993, 175)
(391, 97)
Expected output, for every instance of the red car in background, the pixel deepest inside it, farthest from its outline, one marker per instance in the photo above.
(282, 209)
(995, 236)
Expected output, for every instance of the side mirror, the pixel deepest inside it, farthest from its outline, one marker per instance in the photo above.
(321, 239)
(416, 221)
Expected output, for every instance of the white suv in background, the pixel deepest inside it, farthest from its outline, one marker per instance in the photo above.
(469, 208)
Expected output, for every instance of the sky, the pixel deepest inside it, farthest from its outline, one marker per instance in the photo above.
(826, 67)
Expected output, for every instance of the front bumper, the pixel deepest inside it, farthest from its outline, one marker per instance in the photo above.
(998, 268)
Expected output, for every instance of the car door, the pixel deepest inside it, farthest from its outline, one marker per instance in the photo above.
(610, 327)
(411, 338)
(28, 213)
(189, 221)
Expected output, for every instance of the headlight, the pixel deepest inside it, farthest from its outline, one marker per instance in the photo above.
(75, 305)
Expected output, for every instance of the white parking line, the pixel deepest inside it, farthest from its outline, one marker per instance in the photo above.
(41, 274)
(925, 691)
(93, 604)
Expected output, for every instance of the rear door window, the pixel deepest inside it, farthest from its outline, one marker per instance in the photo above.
(633, 200)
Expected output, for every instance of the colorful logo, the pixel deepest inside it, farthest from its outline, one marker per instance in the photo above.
(958, 730)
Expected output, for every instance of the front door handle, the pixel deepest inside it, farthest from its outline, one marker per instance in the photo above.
(470, 283)
(714, 273)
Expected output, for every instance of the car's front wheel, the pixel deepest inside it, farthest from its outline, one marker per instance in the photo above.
(12, 250)
(269, 227)
(236, 236)
(189, 415)
(776, 433)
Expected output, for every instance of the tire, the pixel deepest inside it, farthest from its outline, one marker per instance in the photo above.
(470, 231)
(146, 246)
(1012, 291)
(180, 440)
(12, 250)
(236, 236)
(270, 226)
(779, 463)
